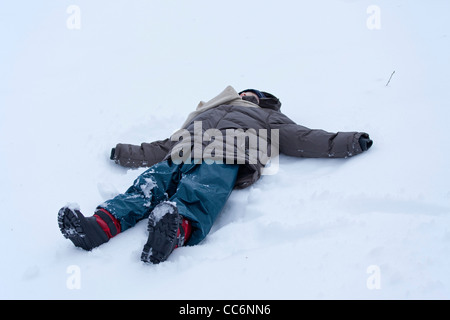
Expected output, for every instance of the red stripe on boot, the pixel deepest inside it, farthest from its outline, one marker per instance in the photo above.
(104, 225)
(186, 225)
(114, 220)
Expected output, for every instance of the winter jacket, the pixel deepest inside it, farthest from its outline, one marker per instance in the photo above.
(208, 135)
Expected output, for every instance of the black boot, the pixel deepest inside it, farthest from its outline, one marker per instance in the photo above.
(165, 233)
(84, 232)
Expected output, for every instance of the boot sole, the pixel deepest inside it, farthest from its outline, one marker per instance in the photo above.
(73, 227)
(162, 237)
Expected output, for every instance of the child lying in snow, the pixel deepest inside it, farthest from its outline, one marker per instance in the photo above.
(191, 175)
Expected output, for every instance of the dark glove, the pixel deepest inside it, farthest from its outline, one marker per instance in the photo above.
(365, 142)
(113, 151)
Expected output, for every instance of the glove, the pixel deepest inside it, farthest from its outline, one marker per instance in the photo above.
(113, 151)
(365, 142)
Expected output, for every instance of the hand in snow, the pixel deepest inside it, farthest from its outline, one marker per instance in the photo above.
(365, 142)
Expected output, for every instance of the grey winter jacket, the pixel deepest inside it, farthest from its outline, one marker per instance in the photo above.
(241, 135)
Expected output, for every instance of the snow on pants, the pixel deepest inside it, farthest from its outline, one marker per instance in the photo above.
(199, 191)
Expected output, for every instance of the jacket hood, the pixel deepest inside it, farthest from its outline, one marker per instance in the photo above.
(228, 96)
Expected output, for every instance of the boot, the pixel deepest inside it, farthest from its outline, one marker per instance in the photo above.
(167, 231)
(87, 233)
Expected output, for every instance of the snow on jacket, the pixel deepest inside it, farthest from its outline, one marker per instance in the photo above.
(221, 120)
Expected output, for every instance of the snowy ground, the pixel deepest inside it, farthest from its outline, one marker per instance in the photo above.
(376, 226)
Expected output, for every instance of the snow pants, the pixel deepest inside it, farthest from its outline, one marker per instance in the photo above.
(199, 191)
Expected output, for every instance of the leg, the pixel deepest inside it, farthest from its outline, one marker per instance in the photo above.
(202, 193)
(152, 187)
(124, 211)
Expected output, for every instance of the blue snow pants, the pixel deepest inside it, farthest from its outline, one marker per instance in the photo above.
(199, 191)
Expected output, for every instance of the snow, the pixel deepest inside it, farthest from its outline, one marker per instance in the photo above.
(166, 207)
(147, 187)
(375, 226)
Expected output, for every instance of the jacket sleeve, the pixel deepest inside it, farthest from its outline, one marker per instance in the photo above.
(299, 141)
(145, 155)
